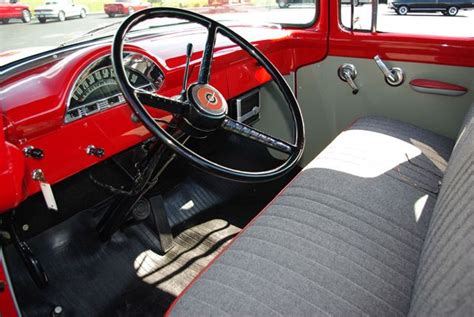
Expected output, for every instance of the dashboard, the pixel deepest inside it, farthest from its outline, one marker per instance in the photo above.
(68, 101)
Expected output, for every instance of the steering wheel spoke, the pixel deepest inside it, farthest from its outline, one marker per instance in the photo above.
(160, 102)
(251, 133)
(205, 110)
(205, 70)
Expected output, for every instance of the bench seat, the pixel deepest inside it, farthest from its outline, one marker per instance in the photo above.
(365, 229)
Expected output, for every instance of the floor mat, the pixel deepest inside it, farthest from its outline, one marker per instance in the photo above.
(122, 277)
(193, 250)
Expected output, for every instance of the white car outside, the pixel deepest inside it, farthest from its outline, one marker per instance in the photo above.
(60, 10)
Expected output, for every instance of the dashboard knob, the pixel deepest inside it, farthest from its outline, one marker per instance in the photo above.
(95, 151)
(33, 152)
(58, 311)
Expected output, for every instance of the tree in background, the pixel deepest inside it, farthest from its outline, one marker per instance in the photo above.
(156, 3)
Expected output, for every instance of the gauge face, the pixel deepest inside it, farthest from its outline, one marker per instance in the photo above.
(96, 88)
(100, 85)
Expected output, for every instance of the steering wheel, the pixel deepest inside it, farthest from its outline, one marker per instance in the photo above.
(205, 110)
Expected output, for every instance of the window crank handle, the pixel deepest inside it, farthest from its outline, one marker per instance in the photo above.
(347, 73)
(385, 70)
(394, 76)
(351, 82)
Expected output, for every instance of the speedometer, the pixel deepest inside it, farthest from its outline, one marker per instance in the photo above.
(96, 88)
(101, 87)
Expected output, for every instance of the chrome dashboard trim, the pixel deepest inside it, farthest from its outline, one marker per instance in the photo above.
(132, 60)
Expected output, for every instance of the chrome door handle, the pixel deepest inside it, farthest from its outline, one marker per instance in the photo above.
(347, 73)
(393, 76)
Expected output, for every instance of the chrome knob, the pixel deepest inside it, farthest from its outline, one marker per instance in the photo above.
(348, 73)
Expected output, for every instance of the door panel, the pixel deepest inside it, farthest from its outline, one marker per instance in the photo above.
(329, 106)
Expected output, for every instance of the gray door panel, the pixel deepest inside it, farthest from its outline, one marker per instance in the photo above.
(329, 106)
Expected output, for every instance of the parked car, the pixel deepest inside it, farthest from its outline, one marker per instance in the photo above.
(11, 9)
(60, 10)
(446, 7)
(286, 3)
(124, 7)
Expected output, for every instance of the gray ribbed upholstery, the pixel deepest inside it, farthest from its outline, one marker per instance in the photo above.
(345, 238)
(445, 281)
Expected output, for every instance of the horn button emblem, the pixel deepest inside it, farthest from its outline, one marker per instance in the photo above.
(207, 112)
(208, 100)
(211, 98)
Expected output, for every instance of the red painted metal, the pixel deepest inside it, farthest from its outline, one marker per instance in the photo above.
(427, 86)
(12, 169)
(35, 100)
(434, 84)
(400, 47)
(7, 304)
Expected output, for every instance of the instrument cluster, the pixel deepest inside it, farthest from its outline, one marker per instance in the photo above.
(96, 89)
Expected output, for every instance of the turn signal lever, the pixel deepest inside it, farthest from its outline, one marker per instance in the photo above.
(347, 73)
(393, 76)
(189, 52)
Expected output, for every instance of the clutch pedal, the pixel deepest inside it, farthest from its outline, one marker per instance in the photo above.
(34, 267)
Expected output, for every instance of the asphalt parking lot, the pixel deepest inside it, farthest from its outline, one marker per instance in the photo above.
(17, 35)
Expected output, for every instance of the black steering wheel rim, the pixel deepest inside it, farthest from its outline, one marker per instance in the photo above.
(130, 95)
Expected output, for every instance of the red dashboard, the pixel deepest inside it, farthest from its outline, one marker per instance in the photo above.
(34, 101)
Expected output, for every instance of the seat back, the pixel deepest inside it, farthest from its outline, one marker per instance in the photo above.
(444, 284)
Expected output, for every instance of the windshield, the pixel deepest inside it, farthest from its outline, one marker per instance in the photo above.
(32, 26)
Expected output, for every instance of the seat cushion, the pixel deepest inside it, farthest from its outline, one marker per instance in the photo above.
(344, 238)
(445, 280)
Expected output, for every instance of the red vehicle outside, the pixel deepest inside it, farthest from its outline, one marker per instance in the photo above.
(11, 9)
(124, 7)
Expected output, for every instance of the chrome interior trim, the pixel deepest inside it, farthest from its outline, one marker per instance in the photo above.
(255, 110)
(133, 61)
(375, 7)
(352, 15)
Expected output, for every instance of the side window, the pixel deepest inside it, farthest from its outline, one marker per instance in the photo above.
(452, 18)
(356, 14)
